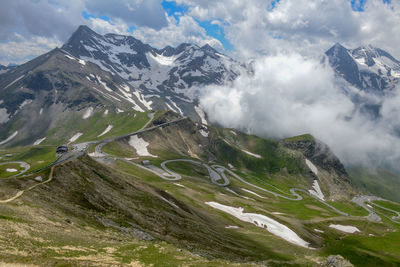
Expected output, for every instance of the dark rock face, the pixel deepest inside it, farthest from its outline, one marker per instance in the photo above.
(344, 64)
(367, 68)
(320, 154)
(336, 261)
(157, 70)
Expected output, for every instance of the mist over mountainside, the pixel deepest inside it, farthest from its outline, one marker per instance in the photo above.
(368, 68)
(200, 133)
(350, 103)
(277, 96)
(93, 71)
(148, 174)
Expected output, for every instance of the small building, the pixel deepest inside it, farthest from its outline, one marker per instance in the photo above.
(146, 162)
(62, 149)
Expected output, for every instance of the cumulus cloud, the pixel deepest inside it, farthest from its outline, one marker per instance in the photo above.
(254, 27)
(290, 95)
(47, 24)
(186, 30)
(102, 26)
(20, 49)
(147, 13)
(39, 18)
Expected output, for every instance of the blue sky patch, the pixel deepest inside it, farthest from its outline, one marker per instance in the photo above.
(216, 31)
(173, 9)
(358, 5)
(213, 30)
(88, 16)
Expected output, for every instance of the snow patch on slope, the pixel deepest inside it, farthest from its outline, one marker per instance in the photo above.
(203, 132)
(4, 116)
(104, 84)
(251, 154)
(142, 100)
(345, 228)
(201, 114)
(175, 105)
(8, 139)
(16, 80)
(317, 190)
(262, 221)
(140, 146)
(253, 193)
(26, 102)
(162, 60)
(87, 113)
(75, 137)
(109, 127)
(312, 167)
(37, 142)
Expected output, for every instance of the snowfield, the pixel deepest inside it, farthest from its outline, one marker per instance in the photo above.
(170, 202)
(253, 193)
(263, 221)
(16, 80)
(251, 154)
(162, 60)
(8, 139)
(4, 116)
(203, 133)
(230, 190)
(88, 113)
(345, 228)
(140, 146)
(109, 127)
(37, 142)
(75, 137)
(312, 167)
(96, 154)
(142, 100)
(317, 190)
(201, 114)
(231, 227)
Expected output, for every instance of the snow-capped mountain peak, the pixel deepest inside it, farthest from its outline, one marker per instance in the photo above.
(365, 67)
(166, 71)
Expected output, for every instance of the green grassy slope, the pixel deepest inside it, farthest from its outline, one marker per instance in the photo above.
(110, 212)
(378, 182)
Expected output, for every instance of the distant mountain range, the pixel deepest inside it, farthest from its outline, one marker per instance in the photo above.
(366, 67)
(113, 72)
(120, 73)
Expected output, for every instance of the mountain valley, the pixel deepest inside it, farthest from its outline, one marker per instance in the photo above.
(148, 181)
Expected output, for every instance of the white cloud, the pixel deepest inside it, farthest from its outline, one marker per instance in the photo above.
(139, 13)
(307, 27)
(186, 30)
(291, 95)
(102, 26)
(21, 49)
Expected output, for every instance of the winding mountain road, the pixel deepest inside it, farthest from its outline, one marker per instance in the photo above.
(216, 173)
(22, 164)
(21, 192)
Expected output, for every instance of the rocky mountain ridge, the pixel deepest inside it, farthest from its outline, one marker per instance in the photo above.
(366, 67)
